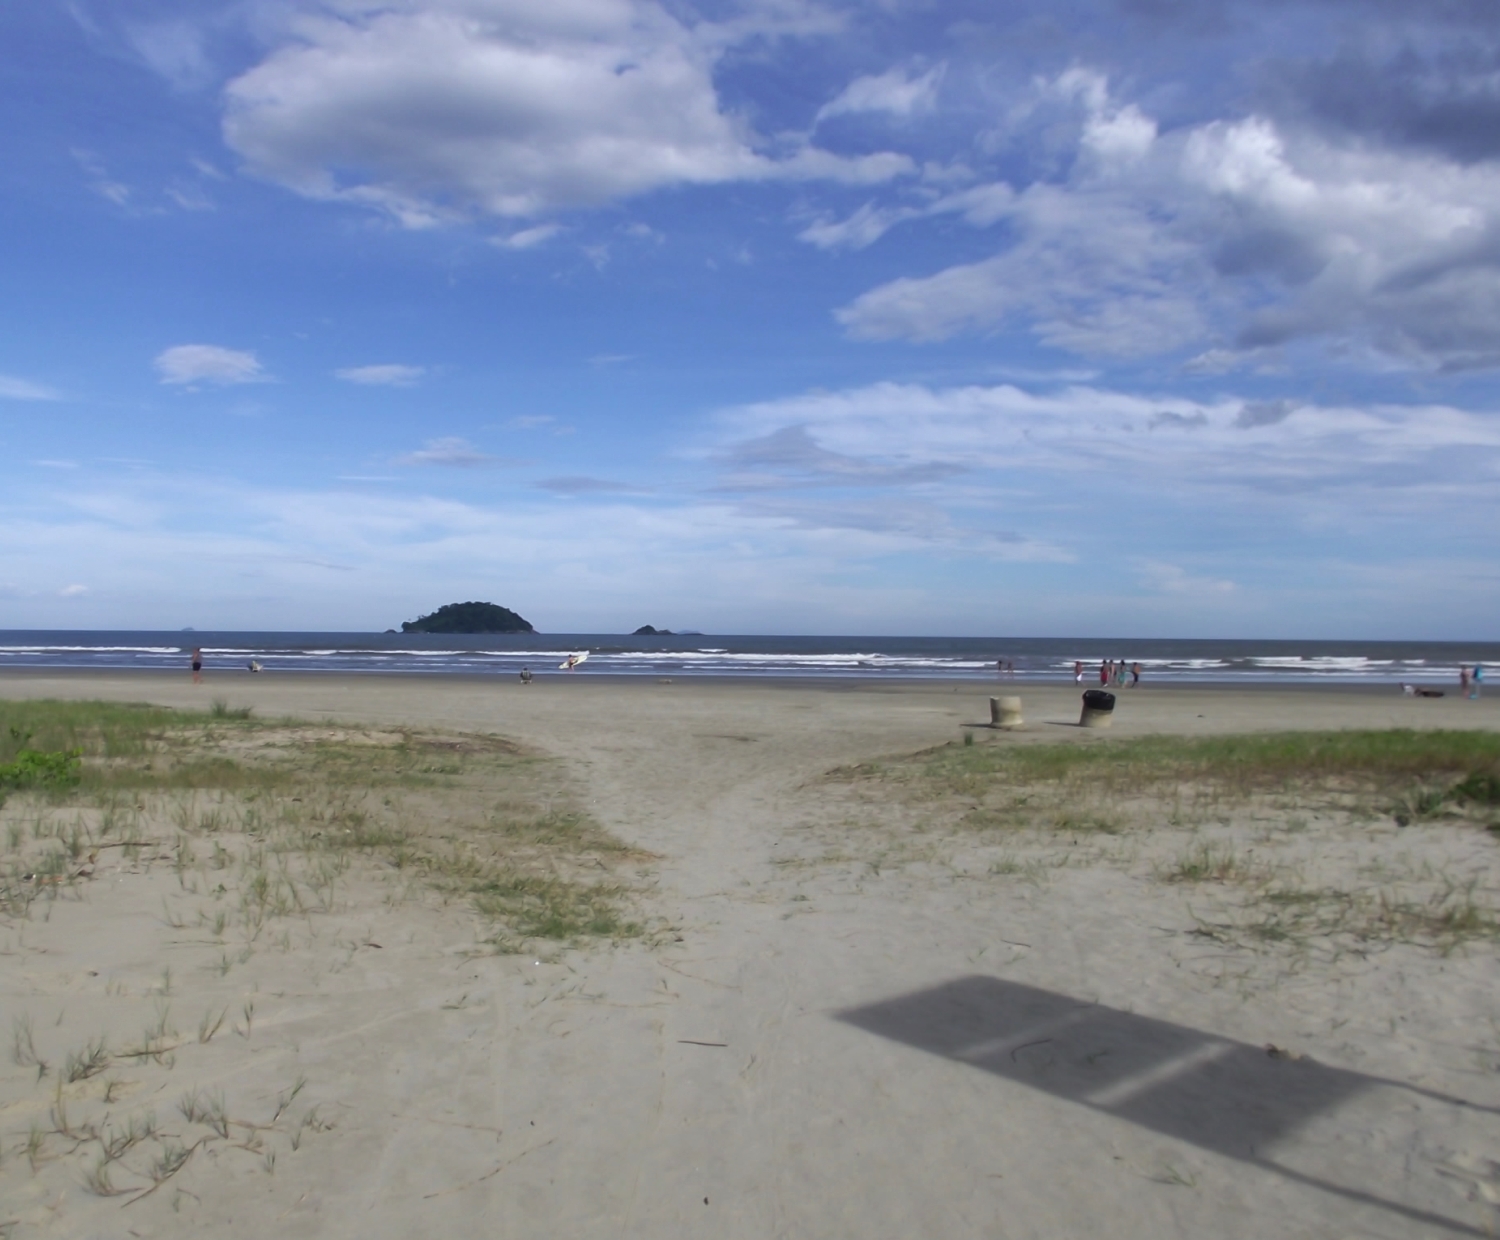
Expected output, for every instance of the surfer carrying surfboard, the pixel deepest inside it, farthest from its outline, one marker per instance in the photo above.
(572, 661)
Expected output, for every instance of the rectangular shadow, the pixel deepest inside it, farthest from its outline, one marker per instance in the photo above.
(1222, 1095)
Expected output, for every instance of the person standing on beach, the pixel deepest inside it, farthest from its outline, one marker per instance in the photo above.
(1078, 671)
(1135, 675)
(197, 666)
(1104, 673)
(1476, 682)
(1463, 679)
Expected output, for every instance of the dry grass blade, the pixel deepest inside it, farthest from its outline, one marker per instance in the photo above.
(90, 1061)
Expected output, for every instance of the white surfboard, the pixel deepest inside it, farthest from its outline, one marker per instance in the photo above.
(572, 661)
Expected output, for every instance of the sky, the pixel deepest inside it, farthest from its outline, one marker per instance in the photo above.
(949, 317)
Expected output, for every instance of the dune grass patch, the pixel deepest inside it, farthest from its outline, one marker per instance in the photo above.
(1407, 774)
(285, 808)
(1255, 825)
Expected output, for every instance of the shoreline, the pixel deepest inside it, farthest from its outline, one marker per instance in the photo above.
(560, 714)
(874, 684)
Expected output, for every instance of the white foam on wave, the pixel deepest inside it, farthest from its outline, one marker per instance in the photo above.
(92, 649)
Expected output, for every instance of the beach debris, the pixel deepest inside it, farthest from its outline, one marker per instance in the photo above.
(1098, 709)
(1280, 1052)
(1005, 712)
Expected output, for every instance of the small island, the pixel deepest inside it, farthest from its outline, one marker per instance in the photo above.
(469, 618)
(647, 631)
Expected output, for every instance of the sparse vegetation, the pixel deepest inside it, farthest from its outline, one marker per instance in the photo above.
(1036, 796)
(1208, 863)
(1413, 775)
(302, 802)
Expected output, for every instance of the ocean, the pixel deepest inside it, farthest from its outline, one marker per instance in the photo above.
(1035, 660)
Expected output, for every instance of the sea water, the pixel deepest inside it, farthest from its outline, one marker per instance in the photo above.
(1035, 660)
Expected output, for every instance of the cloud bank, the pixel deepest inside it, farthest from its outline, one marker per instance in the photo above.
(511, 108)
(1239, 235)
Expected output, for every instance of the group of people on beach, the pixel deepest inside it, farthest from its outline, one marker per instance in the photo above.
(1471, 680)
(255, 665)
(1112, 674)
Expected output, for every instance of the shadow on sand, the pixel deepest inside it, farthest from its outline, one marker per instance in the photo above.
(1225, 1096)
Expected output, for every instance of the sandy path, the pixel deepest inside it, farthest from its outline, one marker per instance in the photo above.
(577, 1097)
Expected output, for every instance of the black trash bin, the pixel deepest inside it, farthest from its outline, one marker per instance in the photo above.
(1098, 709)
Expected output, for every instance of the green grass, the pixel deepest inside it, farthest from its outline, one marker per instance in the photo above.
(1208, 863)
(1443, 920)
(96, 729)
(1072, 786)
(32, 768)
(473, 815)
(1251, 761)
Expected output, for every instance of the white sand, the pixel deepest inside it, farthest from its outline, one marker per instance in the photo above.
(907, 1051)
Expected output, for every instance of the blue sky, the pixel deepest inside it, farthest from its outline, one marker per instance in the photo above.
(1137, 317)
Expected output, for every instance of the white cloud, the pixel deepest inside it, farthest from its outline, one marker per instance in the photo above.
(102, 183)
(865, 227)
(979, 205)
(390, 374)
(207, 363)
(528, 237)
(1237, 236)
(431, 109)
(451, 451)
(12, 388)
(904, 524)
(894, 92)
(1137, 440)
(643, 232)
(1163, 578)
(582, 485)
(174, 49)
(189, 197)
(72, 591)
(1092, 274)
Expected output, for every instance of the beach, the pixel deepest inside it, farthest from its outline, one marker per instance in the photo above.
(843, 1013)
